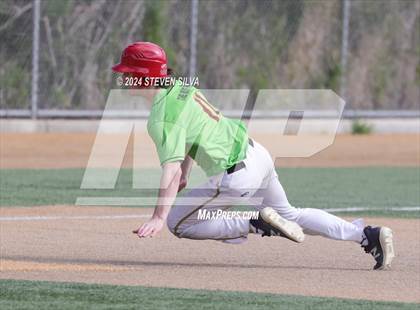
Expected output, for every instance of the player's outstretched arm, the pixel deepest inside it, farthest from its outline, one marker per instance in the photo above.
(169, 183)
(186, 170)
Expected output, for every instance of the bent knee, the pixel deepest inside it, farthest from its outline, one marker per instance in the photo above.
(289, 212)
(171, 222)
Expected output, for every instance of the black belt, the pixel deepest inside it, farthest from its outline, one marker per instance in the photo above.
(241, 164)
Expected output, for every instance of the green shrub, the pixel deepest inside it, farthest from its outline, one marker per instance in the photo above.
(360, 128)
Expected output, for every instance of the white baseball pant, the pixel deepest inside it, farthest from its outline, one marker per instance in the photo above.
(258, 180)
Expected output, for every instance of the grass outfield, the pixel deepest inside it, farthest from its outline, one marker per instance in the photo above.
(50, 295)
(372, 187)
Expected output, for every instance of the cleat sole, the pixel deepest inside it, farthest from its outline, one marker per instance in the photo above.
(290, 229)
(386, 241)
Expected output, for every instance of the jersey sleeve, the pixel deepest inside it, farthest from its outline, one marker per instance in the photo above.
(170, 140)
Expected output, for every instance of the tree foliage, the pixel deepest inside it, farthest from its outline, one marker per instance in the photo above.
(241, 44)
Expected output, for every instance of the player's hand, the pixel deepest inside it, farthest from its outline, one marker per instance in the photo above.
(182, 183)
(150, 228)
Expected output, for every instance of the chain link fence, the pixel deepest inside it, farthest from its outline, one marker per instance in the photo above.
(239, 44)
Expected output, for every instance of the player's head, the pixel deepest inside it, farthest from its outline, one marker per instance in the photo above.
(143, 59)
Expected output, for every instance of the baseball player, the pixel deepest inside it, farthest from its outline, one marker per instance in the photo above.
(185, 128)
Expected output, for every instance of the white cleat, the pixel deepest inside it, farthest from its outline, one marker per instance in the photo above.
(270, 223)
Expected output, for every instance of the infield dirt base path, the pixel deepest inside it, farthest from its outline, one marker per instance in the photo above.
(105, 251)
(72, 150)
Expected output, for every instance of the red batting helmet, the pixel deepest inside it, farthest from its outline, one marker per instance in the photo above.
(143, 59)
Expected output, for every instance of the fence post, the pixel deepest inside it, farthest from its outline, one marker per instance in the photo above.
(35, 58)
(344, 47)
(193, 38)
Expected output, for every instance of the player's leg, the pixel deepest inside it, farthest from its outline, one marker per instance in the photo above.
(217, 193)
(187, 221)
(313, 221)
(184, 222)
(375, 240)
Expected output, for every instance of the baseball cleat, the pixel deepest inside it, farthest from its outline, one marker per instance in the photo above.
(380, 245)
(270, 223)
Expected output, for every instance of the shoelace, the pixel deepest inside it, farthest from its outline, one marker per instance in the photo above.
(365, 247)
(371, 250)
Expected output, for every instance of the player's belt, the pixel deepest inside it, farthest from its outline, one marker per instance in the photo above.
(241, 164)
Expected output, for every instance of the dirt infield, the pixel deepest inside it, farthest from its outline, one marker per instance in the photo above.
(72, 150)
(94, 248)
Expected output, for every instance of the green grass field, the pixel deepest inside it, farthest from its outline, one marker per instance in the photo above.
(377, 188)
(51, 295)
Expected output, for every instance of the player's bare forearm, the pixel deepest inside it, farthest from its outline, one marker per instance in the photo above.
(186, 170)
(168, 189)
(186, 166)
(169, 183)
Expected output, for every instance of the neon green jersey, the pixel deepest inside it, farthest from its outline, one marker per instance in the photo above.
(182, 122)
